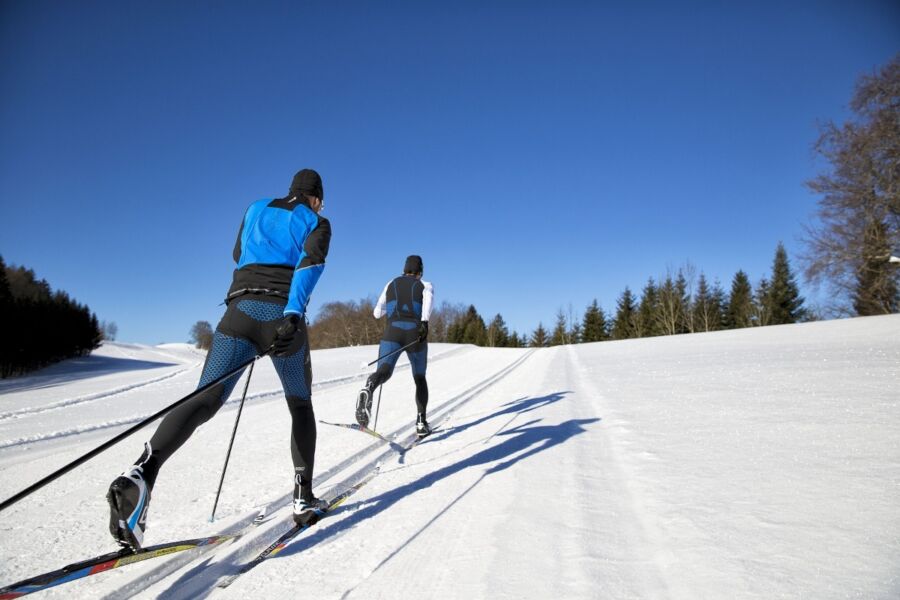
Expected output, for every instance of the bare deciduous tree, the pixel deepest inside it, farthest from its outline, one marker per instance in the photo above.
(202, 335)
(109, 330)
(341, 324)
(859, 206)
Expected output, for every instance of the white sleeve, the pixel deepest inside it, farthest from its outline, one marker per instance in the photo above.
(427, 300)
(382, 300)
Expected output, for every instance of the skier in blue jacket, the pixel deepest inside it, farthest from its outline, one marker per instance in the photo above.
(280, 255)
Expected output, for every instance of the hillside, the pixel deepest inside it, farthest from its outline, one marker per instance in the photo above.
(755, 463)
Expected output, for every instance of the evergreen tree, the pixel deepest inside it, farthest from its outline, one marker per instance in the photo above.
(740, 303)
(39, 326)
(719, 305)
(497, 333)
(624, 325)
(560, 333)
(594, 327)
(706, 314)
(646, 322)
(785, 305)
(468, 329)
(5, 293)
(539, 337)
(6, 326)
(475, 332)
(94, 328)
(24, 285)
(514, 341)
(574, 332)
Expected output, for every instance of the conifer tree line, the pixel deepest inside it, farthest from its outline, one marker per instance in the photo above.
(40, 326)
(678, 303)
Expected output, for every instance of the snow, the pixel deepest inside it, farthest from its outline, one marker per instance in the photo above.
(758, 463)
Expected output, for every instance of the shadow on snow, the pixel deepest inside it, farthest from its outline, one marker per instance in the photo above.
(73, 369)
(520, 443)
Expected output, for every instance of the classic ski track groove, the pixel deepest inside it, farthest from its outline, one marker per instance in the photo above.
(66, 403)
(208, 579)
(246, 550)
(55, 435)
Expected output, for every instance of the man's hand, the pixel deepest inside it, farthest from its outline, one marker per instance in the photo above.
(284, 334)
(423, 331)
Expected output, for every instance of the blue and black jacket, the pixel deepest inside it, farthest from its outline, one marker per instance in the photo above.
(405, 301)
(280, 251)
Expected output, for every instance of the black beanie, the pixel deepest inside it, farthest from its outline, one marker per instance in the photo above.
(413, 264)
(309, 183)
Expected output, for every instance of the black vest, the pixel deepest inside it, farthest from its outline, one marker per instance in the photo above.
(403, 300)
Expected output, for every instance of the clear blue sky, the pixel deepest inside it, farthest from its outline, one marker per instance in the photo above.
(535, 154)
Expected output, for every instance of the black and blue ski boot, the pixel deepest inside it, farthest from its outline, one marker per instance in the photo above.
(129, 499)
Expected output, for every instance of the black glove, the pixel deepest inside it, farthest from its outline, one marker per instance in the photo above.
(284, 334)
(423, 331)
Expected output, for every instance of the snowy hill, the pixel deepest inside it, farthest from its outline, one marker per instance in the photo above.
(756, 463)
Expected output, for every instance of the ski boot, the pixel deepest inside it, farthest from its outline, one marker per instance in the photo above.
(308, 509)
(422, 427)
(364, 404)
(129, 499)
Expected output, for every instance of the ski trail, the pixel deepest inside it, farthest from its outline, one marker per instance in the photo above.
(200, 571)
(93, 427)
(68, 402)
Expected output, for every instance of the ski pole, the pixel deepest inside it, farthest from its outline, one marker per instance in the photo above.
(393, 352)
(377, 406)
(86, 457)
(237, 420)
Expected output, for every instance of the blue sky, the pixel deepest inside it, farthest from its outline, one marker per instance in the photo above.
(536, 155)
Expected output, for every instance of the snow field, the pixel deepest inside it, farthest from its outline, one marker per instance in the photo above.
(759, 463)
